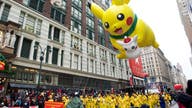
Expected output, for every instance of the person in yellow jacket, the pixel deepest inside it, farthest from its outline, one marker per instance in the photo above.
(151, 101)
(137, 101)
(119, 101)
(83, 100)
(167, 98)
(65, 100)
(89, 102)
(111, 100)
(101, 102)
(126, 100)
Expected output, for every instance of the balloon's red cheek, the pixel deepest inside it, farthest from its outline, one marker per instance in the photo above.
(129, 20)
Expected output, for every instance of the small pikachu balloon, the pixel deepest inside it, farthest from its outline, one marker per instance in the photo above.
(120, 21)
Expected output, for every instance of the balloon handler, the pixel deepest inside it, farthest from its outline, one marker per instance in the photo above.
(121, 22)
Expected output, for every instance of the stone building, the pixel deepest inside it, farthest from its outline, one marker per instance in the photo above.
(62, 46)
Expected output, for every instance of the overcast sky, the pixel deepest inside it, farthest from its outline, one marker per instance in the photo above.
(163, 17)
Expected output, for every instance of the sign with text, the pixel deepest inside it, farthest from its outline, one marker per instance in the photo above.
(53, 104)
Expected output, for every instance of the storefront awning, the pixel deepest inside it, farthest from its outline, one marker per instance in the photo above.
(17, 85)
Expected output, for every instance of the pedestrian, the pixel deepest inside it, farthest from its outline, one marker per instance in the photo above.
(162, 101)
(26, 103)
(183, 99)
(41, 100)
(189, 87)
(18, 102)
(75, 102)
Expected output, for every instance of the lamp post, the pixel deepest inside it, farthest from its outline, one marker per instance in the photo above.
(40, 65)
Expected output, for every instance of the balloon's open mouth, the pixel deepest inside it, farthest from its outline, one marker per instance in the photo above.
(119, 31)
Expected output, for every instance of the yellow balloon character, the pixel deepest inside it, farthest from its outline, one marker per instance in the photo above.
(120, 21)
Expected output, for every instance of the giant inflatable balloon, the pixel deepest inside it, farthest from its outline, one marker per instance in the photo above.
(178, 86)
(121, 22)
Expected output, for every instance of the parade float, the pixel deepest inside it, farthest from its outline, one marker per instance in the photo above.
(123, 26)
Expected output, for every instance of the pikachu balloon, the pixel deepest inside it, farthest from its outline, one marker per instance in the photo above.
(120, 21)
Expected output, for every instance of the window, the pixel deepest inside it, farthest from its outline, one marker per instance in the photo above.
(103, 54)
(92, 65)
(76, 13)
(45, 78)
(102, 40)
(90, 22)
(63, 37)
(76, 19)
(62, 56)
(91, 49)
(56, 34)
(55, 56)
(76, 43)
(95, 66)
(77, 3)
(70, 60)
(35, 51)
(58, 15)
(5, 12)
(113, 70)
(25, 76)
(18, 74)
(42, 77)
(47, 54)
(90, 34)
(25, 51)
(101, 34)
(76, 60)
(35, 4)
(90, 28)
(81, 63)
(21, 18)
(120, 63)
(76, 26)
(50, 31)
(48, 78)
(38, 27)
(31, 76)
(103, 68)
(113, 60)
(16, 44)
(30, 24)
(87, 65)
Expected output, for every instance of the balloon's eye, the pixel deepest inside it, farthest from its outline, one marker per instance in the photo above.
(133, 47)
(106, 24)
(120, 16)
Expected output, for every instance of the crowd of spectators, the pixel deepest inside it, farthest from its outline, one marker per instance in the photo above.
(32, 97)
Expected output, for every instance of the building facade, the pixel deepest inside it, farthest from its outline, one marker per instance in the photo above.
(155, 64)
(185, 10)
(74, 48)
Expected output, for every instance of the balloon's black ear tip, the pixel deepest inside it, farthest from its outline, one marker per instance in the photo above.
(89, 5)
